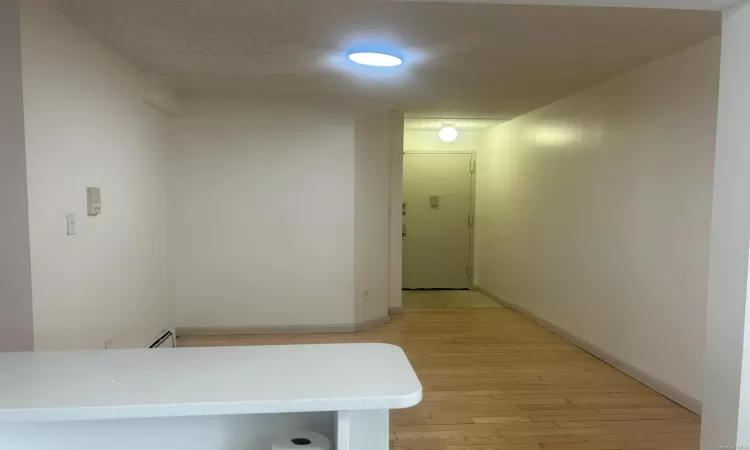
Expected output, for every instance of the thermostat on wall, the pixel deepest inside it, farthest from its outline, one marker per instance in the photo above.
(93, 201)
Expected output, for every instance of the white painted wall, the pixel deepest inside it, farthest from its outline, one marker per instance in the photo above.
(593, 213)
(16, 326)
(726, 407)
(263, 213)
(86, 125)
(371, 202)
(424, 140)
(395, 194)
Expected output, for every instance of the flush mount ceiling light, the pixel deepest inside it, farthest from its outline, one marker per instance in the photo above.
(375, 59)
(448, 134)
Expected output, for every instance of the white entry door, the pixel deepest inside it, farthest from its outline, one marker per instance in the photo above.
(437, 230)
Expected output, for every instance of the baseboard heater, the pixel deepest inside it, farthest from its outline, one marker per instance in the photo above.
(165, 339)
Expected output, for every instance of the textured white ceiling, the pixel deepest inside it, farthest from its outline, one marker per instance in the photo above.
(706, 5)
(463, 59)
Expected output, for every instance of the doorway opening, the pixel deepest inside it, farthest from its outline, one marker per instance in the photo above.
(438, 213)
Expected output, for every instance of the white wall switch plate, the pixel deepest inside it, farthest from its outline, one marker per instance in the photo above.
(71, 223)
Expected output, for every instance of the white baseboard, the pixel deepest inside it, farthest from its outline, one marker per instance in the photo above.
(283, 329)
(372, 323)
(665, 389)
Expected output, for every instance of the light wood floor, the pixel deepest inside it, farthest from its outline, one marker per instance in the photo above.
(429, 299)
(494, 380)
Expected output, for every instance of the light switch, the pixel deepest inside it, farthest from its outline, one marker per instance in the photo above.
(435, 201)
(71, 223)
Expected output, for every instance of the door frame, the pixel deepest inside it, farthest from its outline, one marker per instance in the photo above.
(472, 202)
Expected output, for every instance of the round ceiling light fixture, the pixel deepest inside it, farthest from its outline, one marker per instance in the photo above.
(375, 59)
(448, 134)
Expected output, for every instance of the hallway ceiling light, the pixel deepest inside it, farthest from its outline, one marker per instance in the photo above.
(448, 134)
(375, 59)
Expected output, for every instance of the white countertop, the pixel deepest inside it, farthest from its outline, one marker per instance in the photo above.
(139, 383)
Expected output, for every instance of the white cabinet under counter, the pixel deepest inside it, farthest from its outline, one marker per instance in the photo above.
(214, 398)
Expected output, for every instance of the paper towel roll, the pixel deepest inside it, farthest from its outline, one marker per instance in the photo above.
(302, 439)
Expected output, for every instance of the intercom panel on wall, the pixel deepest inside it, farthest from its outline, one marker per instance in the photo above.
(93, 201)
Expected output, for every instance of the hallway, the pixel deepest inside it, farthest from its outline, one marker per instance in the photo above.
(446, 299)
(494, 380)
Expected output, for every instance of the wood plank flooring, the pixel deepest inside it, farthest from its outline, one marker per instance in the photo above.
(427, 299)
(494, 380)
